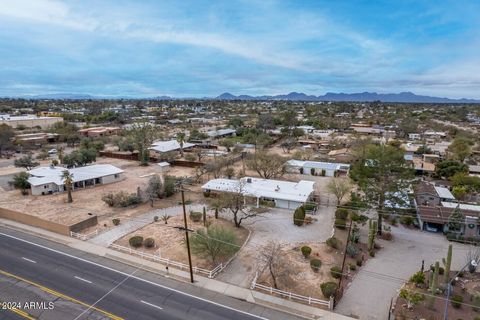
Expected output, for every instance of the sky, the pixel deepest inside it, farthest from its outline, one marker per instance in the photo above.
(201, 48)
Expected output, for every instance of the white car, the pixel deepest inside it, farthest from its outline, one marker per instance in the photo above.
(52, 151)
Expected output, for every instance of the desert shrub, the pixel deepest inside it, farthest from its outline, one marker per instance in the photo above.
(108, 199)
(341, 224)
(315, 264)
(476, 302)
(299, 216)
(386, 236)
(352, 250)
(306, 251)
(359, 261)
(328, 289)
(136, 241)
(456, 301)
(371, 253)
(333, 242)
(418, 278)
(336, 272)
(155, 219)
(196, 216)
(169, 186)
(149, 243)
(116, 221)
(309, 206)
(355, 217)
(312, 171)
(341, 213)
(406, 220)
(352, 266)
(121, 199)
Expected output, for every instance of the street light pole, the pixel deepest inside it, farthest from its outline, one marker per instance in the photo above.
(449, 286)
(186, 236)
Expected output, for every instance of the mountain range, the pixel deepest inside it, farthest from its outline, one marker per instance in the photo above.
(406, 97)
(402, 97)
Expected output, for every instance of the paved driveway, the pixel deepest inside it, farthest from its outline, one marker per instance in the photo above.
(371, 291)
(277, 224)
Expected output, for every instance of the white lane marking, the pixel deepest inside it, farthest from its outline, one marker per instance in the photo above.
(29, 260)
(81, 279)
(134, 277)
(151, 304)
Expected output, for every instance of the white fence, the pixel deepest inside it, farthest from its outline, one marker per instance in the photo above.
(291, 295)
(168, 262)
(82, 236)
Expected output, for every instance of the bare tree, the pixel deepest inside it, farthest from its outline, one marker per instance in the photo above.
(278, 268)
(267, 165)
(339, 187)
(234, 203)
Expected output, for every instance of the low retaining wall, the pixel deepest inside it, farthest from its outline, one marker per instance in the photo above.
(45, 224)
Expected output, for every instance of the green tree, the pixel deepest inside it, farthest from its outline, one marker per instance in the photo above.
(460, 148)
(383, 176)
(6, 136)
(67, 179)
(456, 220)
(448, 168)
(154, 188)
(26, 162)
(143, 135)
(20, 181)
(181, 136)
(339, 187)
(214, 242)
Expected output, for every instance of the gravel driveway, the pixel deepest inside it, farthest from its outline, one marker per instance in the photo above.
(371, 291)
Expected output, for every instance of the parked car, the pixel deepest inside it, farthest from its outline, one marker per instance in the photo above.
(52, 151)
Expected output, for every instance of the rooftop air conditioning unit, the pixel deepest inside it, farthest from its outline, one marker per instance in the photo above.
(249, 180)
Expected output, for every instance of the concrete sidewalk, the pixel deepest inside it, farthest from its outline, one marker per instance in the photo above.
(203, 282)
(128, 226)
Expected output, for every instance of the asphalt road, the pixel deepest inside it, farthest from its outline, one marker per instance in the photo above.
(114, 288)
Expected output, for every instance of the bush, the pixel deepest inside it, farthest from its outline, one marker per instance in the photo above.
(116, 222)
(155, 219)
(195, 216)
(169, 186)
(299, 216)
(136, 241)
(315, 264)
(352, 266)
(306, 250)
(121, 199)
(418, 278)
(149, 243)
(386, 236)
(341, 224)
(406, 220)
(476, 302)
(352, 250)
(359, 261)
(310, 206)
(456, 301)
(328, 289)
(336, 272)
(341, 213)
(333, 242)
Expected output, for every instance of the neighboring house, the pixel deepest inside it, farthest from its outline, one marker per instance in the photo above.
(221, 133)
(317, 168)
(167, 146)
(474, 169)
(427, 194)
(283, 194)
(436, 219)
(39, 138)
(29, 121)
(48, 180)
(99, 131)
(341, 155)
(414, 136)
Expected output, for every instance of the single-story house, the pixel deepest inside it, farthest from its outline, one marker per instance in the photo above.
(48, 180)
(283, 194)
(170, 145)
(435, 219)
(99, 131)
(317, 168)
(427, 194)
(220, 133)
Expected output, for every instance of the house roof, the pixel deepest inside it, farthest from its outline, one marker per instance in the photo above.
(463, 206)
(318, 165)
(44, 175)
(275, 189)
(170, 145)
(220, 132)
(439, 214)
(444, 193)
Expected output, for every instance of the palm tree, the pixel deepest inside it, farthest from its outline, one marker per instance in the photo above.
(67, 178)
(181, 139)
(60, 154)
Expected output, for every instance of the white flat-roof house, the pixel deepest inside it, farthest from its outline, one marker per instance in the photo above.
(221, 133)
(284, 194)
(317, 168)
(48, 180)
(170, 145)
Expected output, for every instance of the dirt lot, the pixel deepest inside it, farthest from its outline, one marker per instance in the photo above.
(170, 241)
(300, 278)
(55, 208)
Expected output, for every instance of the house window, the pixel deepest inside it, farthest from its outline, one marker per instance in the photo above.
(117, 176)
(45, 187)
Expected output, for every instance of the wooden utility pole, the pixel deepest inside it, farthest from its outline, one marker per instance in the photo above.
(344, 258)
(186, 236)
